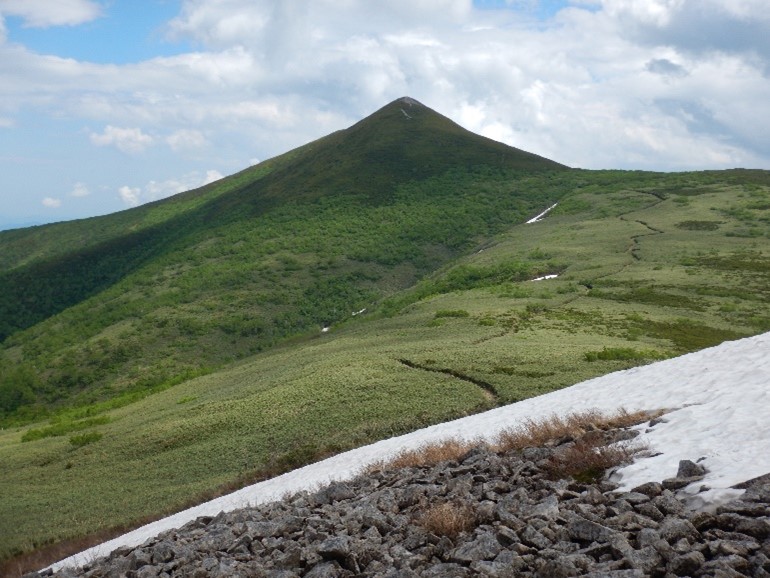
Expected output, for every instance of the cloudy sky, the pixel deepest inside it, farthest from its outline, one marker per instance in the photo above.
(107, 104)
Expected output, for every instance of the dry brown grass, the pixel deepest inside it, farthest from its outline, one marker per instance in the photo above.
(587, 454)
(448, 519)
(589, 458)
(554, 429)
(429, 454)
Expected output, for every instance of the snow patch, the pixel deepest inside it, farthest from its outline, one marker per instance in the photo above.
(541, 215)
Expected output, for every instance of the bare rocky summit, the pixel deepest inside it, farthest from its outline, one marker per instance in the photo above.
(484, 514)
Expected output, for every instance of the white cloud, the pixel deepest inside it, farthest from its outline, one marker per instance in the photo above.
(128, 140)
(155, 190)
(44, 13)
(131, 196)
(655, 12)
(51, 202)
(80, 190)
(186, 139)
(211, 176)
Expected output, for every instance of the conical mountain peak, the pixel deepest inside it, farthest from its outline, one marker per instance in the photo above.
(404, 140)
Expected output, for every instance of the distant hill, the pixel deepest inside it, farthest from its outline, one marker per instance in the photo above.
(138, 298)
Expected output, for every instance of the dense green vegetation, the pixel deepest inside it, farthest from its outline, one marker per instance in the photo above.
(200, 363)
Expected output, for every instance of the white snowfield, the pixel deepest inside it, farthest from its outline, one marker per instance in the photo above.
(719, 402)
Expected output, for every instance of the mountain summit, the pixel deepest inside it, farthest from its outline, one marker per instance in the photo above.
(403, 141)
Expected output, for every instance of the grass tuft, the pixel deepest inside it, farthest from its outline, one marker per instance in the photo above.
(544, 432)
(589, 458)
(428, 454)
(448, 519)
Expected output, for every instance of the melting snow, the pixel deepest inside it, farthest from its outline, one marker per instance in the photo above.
(543, 278)
(541, 215)
(719, 402)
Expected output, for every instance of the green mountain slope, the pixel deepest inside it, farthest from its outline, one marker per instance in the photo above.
(649, 266)
(147, 297)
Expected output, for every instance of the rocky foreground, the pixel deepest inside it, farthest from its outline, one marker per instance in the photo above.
(484, 514)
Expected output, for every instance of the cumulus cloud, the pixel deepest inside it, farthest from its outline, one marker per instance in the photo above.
(51, 202)
(44, 13)
(128, 140)
(155, 190)
(697, 26)
(80, 190)
(131, 196)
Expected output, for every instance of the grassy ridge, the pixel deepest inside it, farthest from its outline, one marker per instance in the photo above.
(633, 286)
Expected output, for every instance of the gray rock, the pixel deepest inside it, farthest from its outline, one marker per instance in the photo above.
(674, 529)
(532, 537)
(588, 531)
(688, 469)
(635, 498)
(139, 558)
(679, 483)
(334, 492)
(686, 564)
(446, 571)
(557, 568)
(650, 511)
(162, 552)
(752, 509)
(667, 503)
(327, 570)
(615, 574)
(147, 572)
(337, 548)
(650, 489)
(758, 492)
(547, 509)
(484, 547)
(754, 527)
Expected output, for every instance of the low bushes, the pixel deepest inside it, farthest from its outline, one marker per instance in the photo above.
(623, 354)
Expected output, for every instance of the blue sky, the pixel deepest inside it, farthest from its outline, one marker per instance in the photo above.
(108, 104)
(124, 32)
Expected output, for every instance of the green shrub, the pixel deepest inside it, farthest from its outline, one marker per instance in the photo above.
(699, 225)
(451, 313)
(63, 427)
(622, 354)
(85, 439)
